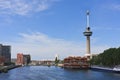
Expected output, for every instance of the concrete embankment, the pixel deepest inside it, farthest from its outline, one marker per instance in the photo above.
(7, 68)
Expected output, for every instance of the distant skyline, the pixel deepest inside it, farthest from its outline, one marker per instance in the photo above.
(44, 28)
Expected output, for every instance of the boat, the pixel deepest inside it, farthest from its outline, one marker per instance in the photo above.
(116, 69)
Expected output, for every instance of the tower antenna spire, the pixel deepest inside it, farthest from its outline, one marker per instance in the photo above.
(88, 21)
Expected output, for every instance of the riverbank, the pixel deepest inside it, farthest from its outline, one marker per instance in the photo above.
(5, 69)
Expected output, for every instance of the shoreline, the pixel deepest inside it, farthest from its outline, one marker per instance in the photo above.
(5, 69)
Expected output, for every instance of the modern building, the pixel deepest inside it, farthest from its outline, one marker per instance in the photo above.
(26, 59)
(2, 60)
(23, 59)
(88, 33)
(5, 54)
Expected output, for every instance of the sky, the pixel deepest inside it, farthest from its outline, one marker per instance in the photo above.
(44, 28)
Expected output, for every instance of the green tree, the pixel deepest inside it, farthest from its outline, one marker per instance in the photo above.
(56, 61)
(109, 58)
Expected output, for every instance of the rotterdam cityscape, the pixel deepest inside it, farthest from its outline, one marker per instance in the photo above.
(59, 40)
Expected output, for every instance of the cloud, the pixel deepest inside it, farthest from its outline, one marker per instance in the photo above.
(24, 7)
(115, 6)
(112, 6)
(41, 46)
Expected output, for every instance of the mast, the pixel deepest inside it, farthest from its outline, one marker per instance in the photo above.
(88, 21)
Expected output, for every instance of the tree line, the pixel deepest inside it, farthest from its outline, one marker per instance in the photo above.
(109, 58)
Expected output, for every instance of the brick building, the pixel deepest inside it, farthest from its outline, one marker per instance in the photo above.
(23, 59)
(76, 62)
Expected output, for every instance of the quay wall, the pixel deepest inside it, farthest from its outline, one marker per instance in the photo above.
(7, 68)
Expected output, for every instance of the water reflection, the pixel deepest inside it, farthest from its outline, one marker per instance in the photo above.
(55, 73)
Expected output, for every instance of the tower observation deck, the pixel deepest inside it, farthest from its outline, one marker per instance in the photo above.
(88, 33)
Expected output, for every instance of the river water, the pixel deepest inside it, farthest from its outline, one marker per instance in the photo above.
(56, 73)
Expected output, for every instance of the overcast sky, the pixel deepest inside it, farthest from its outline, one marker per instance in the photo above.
(44, 28)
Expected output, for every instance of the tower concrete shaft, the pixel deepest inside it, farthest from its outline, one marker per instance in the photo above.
(88, 33)
(88, 45)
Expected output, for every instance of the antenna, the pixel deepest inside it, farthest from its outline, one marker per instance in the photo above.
(88, 22)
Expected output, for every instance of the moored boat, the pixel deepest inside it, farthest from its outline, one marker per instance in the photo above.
(117, 69)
